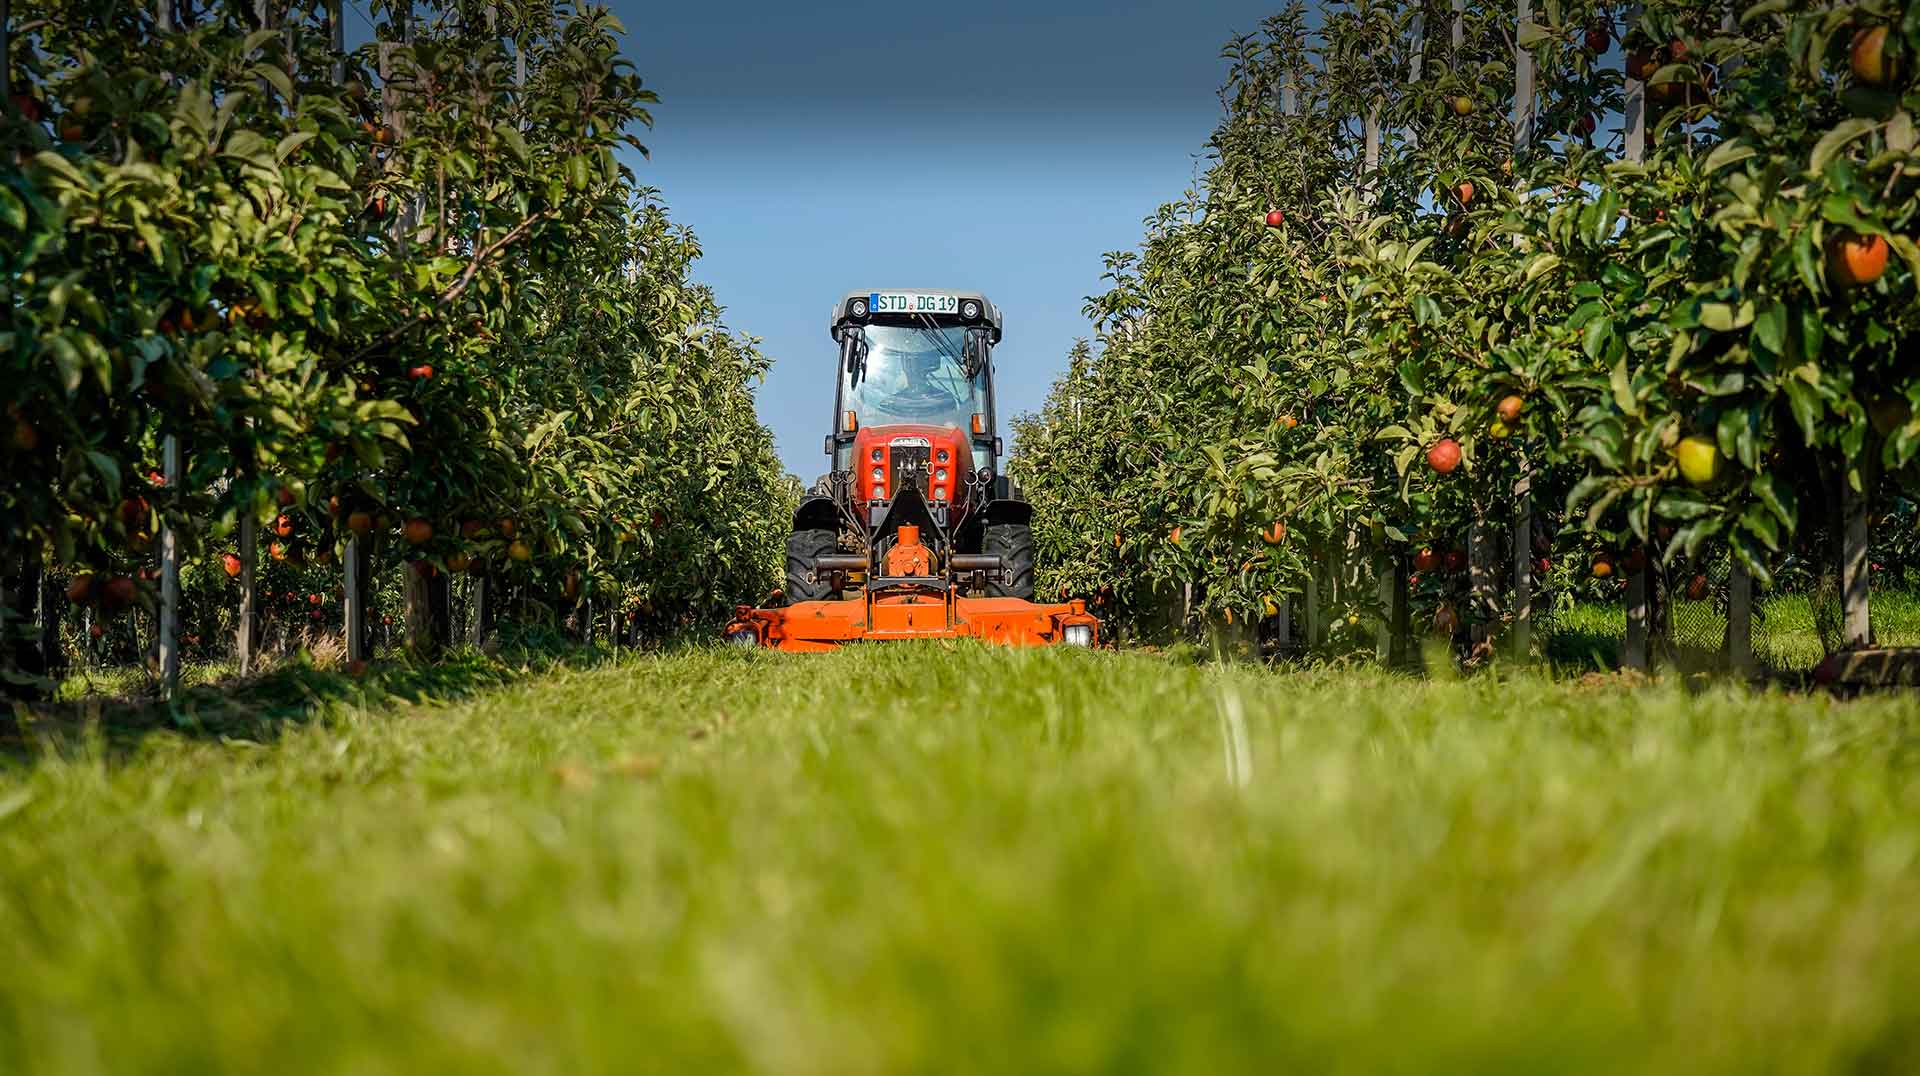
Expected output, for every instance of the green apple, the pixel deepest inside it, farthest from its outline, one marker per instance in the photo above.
(1699, 458)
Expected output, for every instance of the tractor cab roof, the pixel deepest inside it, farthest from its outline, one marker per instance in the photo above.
(949, 306)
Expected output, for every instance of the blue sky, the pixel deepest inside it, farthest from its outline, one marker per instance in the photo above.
(816, 149)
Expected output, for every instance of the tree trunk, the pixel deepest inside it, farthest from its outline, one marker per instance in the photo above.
(426, 611)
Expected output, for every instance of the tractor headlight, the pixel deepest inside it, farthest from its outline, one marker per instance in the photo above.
(1078, 635)
(969, 310)
(940, 475)
(876, 455)
(940, 494)
(745, 637)
(942, 456)
(858, 308)
(879, 475)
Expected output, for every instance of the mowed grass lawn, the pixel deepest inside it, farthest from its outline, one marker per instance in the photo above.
(950, 858)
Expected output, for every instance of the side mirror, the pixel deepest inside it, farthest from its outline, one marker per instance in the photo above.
(999, 448)
(853, 353)
(829, 448)
(973, 353)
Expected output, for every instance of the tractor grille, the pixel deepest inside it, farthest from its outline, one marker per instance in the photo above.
(909, 467)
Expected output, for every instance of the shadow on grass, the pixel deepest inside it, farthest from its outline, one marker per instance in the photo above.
(261, 707)
(1577, 650)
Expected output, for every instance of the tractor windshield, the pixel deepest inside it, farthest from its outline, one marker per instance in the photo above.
(914, 374)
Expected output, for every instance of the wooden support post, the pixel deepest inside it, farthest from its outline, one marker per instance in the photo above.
(1634, 112)
(1522, 82)
(172, 464)
(1419, 54)
(1390, 643)
(337, 38)
(1634, 654)
(1484, 600)
(483, 603)
(1459, 29)
(1856, 628)
(1372, 136)
(357, 564)
(1739, 642)
(1520, 603)
(246, 632)
(1416, 63)
(1316, 617)
(1283, 625)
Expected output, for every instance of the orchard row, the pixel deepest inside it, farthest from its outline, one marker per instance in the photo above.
(1579, 290)
(402, 301)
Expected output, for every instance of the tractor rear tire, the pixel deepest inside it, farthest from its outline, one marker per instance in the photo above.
(804, 550)
(1014, 543)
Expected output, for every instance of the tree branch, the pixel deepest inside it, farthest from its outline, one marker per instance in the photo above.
(454, 290)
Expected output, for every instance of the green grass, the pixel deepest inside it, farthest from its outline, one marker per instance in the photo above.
(1786, 633)
(920, 858)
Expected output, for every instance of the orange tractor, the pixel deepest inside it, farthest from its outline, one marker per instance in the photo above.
(915, 533)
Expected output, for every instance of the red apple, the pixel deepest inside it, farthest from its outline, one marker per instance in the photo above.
(1444, 456)
(118, 594)
(1275, 218)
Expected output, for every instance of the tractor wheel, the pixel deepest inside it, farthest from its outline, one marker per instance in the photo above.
(1014, 543)
(804, 550)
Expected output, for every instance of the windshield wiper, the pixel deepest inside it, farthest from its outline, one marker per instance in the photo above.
(932, 330)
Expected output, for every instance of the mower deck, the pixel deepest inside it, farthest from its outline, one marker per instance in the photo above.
(919, 614)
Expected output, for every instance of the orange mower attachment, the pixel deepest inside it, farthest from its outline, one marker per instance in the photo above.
(910, 601)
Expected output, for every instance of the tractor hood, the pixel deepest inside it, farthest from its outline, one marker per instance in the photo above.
(933, 460)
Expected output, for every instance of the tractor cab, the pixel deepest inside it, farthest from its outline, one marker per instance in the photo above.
(913, 402)
(914, 532)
